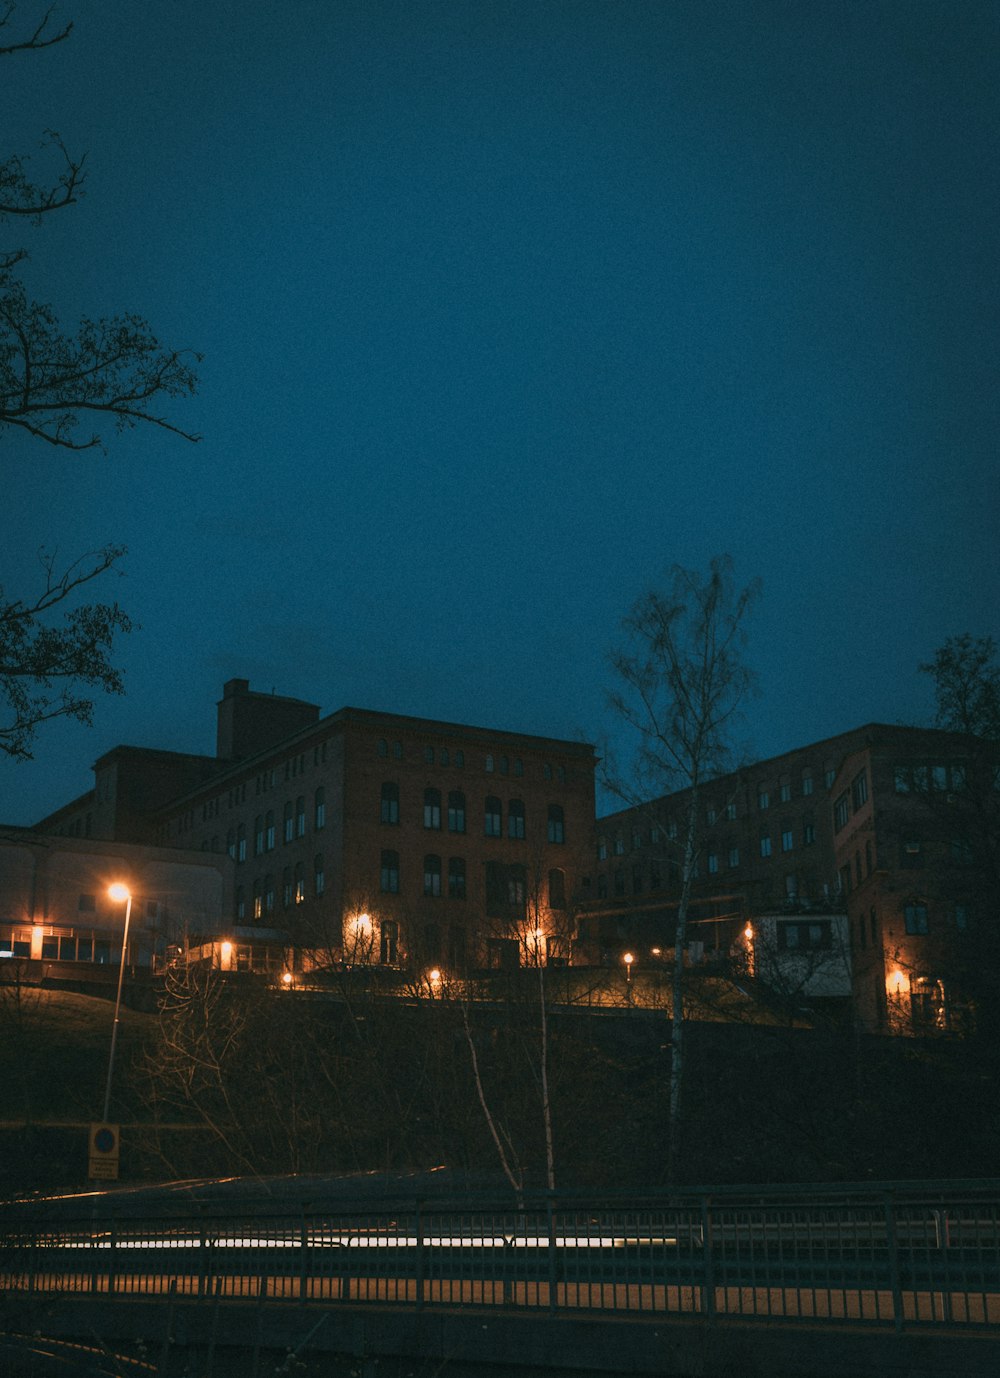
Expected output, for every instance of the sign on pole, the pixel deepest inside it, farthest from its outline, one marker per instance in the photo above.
(103, 1153)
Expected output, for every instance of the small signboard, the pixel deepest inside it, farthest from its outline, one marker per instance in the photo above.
(103, 1153)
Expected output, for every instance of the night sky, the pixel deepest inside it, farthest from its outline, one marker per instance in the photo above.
(506, 305)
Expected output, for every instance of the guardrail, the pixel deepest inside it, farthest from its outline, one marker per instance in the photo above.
(889, 1257)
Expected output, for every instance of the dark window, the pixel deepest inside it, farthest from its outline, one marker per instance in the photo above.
(515, 818)
(859, 789)
(258, 835)
(432, 875)
(443, 756)
(241, 843)
(557, 827)
(432, 942)
(655, 877)
(289, 824)
(619, 881)
(842, 810)
(269, 894)
(319, 875)
(456, 878)
(637, 880)
(557, 889)
(517, 889)
(494, 817)
(241, 904)
(300, 816)
(460, 758)
(389, 874)
(808, 834)
(504, 766)
(397, 751)
(320, 802)
(815, 935)
(383, 747)
(456, 811)
(765, 845)
(286, 887)
(432, 808)
(456, 948)
(270, 830)
(602, 887)
(429, 755)
(915, 918)
(390, 802)
(496, 889)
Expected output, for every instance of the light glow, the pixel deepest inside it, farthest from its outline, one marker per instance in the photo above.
(119, 892)
(628, 959)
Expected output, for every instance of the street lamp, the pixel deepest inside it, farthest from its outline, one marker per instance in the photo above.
(117, 892)
(628, 959)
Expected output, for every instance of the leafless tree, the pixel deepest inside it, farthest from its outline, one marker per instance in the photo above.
(682, 682)
(53, 647)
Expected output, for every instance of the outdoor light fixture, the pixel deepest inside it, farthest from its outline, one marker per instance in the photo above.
(117, 892)
(286, 979)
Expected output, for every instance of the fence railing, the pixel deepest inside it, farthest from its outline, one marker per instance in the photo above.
(888, 1256)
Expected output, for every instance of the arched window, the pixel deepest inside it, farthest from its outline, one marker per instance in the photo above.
(489, 765)
(300, 816)
(432, 875)
(241, 842)
(397, 751)
(269, 894)
(493, 817)
(515, 818)
(432, 808)
(390, 802)
(456, 811)
(504, 766)
(320, 808)
(389, 873)
(270, 830)
(456, 878)
(557, 827)
(383, 747)
(557, 889)
(319, 876)
(288, 831)
(258, 835)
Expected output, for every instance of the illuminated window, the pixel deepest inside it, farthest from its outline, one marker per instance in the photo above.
(432, 875)
(389, 873)
(456, 878)
(432, 808)
(390, 802)
(258, 903)
(515, 818)
(557, 826)
(456, 811)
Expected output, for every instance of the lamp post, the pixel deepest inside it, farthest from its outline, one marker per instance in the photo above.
(628, 959)
(117, 892)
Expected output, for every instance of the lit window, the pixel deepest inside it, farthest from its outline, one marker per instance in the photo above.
(493, 817)
(388, 942)
(389, 873)
(557, 826)
(432, 875)
(456, 878)
(389, 811)
(432, 808)
(515, 818)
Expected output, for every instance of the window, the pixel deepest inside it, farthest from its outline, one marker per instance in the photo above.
(269, 894)
(961, 850)
(808, 834)
(258, 835)
(710, 816)
(672, 830)
(515, 818)
(901, 779)
(456, 948)
(231, 844)
(300, 816)
(763, 798)
(489, 765)
(859, 789)
(828, 778)
(397, 751)
(428, 755)
(765, 844)
(731, 811)
(713, 864)
(920, 778)
(456, 878)
(286, 887)
(602, 849)
(785, 792)
(734, 858)
(961, 918)
(504, 766)
(87, 904)
(787, 840)
(432, 808)
(841, 811)
(319, 875)
(460, 759)
(456, 811)
(547, 771)
(807, 782)
(857, 868)
(602, 887)
(814, 935)
(517, 889)
(493, 817)
(518, 766)
(388, 942)
(939, 777)
(869, 858)
(915, 918)
(289, 824)
(320, 808)
(383, 747)
(636, 839)
(269, 825)
(390, 802)
(557, 828)
(389, 873)
(619, 845)
(910, 853)
(241, 904)
(957, 777)
(432, 875)
(557, 889)
(432, 942)
(655, 876)
(241, 843)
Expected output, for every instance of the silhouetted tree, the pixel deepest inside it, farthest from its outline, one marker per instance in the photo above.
(52, 649)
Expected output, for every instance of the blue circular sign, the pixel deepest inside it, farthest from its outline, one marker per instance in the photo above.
(104, 1140)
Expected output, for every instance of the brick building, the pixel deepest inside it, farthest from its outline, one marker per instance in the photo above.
(363, 835)
(873, 824)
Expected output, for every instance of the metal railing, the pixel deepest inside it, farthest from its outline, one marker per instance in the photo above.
(893, 1257)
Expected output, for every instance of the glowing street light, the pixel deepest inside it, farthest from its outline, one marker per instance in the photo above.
(117, 892)
(628, 958)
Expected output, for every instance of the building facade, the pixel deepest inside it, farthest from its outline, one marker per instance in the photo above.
(364, 836)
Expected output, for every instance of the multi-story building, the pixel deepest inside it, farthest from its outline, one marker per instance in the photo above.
(873, 824)
(364, 835)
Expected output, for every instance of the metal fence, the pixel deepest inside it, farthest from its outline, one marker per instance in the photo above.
(902, 1256)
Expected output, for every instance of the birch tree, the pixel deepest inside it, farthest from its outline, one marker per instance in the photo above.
(681, 684)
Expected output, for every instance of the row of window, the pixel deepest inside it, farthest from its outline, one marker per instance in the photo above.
(293, 890)
(265, 833)
(492, 814)
(443, 756)
(71, 947)
(919, 779)
(850, 800)
(513, 882)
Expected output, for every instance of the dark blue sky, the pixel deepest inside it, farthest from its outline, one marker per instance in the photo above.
(505, 307)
